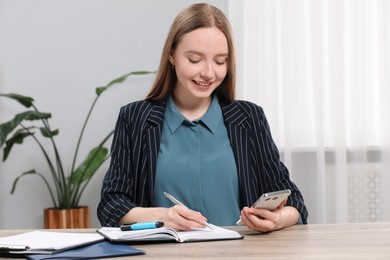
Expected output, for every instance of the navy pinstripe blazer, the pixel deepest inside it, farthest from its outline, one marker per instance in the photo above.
(130, 177)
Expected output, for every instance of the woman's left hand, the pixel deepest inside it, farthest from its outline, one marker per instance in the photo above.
(265, 220)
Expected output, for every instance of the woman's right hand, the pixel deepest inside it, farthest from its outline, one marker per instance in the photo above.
(180, 218)
(176, 217)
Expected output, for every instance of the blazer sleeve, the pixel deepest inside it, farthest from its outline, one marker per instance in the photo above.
(117, 196)
(272, 174)
(127, 182)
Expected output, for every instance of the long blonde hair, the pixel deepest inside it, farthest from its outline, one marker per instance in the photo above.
(194, 17)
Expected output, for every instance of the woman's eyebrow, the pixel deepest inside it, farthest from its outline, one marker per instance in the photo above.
(201, 53)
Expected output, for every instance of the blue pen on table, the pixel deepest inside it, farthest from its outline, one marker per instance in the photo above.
(141, 225)
(177, 202)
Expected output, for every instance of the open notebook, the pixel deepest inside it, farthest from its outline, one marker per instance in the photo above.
(167, 234)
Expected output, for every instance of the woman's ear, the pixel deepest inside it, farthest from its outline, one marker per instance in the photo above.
(171, 59)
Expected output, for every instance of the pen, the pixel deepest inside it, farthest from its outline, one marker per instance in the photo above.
(141, 225)
(12, 248)
(177, 202)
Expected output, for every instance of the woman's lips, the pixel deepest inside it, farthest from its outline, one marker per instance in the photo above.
(203, 85)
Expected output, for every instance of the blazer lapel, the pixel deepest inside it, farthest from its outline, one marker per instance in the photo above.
(238, 131)
(151, 139)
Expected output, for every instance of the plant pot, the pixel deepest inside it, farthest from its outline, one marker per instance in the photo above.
(67, 218)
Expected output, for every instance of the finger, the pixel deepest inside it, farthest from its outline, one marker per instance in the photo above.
(190, 218)
(192, 215)
(259, 220)
(281, 205)
(265, 214)
(254, 222)
(174, 220)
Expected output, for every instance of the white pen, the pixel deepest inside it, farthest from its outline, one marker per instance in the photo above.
(177, 202)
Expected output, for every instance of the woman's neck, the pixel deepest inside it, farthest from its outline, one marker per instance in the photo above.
(192, 109)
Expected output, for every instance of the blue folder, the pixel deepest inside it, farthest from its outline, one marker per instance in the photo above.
(98, 250)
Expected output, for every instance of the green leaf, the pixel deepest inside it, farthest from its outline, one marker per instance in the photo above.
(89, 166)
(18, 178)
(100, 90)
(7, 127)
(25, 101)
(46, 133)
(17, 138)
(33, 172)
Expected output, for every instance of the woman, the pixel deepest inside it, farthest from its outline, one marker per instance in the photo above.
(192, 139)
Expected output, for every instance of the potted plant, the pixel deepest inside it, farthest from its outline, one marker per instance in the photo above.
(66, 187)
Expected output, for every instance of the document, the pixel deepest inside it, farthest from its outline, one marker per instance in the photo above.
(167, 234)
(45, 242)
(102, 249)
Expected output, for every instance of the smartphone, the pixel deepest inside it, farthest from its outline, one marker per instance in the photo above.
(269, 201)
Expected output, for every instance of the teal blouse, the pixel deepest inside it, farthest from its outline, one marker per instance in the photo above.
(196, 165)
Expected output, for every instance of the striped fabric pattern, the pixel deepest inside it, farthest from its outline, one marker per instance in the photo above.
(130, 177)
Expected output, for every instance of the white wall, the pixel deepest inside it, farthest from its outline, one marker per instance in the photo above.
(57, 52)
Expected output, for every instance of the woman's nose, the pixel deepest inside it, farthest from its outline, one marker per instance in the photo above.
(207, 71)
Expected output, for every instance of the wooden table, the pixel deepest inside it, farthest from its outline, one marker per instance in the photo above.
(367, 241)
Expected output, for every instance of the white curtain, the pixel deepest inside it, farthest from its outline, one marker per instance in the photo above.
(321, 71)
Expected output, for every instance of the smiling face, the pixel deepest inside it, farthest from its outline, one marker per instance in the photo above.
(200, 62)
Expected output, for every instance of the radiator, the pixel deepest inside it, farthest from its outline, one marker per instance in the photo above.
(365, 192)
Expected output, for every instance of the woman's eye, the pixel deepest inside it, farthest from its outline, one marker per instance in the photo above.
(220, 62)
(193, 61)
